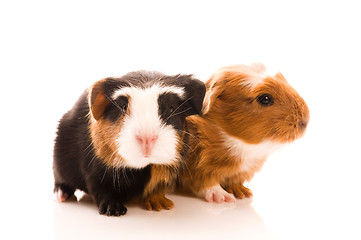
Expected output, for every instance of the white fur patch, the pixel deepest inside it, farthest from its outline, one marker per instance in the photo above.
(172, 89)
(127, 91)
(271, 72)
(144, 120)
(257, 73)
(250, 154)
(216, 194)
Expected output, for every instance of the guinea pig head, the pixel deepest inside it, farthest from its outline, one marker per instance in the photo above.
(252, 105)
(138, 119)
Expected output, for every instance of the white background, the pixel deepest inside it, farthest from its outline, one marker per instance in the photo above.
(51, 51)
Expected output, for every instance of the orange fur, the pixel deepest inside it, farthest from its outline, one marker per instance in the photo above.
(231, 110)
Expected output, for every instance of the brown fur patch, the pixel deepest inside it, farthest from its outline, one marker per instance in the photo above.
(158, 202)
(154, 192)
(97, 99)
(103, 132)
(104, 136)
(161, 177)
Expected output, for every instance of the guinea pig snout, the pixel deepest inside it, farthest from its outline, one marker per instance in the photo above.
(304, 118)
(147, 143)
(303, 123)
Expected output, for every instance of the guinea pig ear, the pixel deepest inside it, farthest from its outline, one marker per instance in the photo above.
(98, 101)
(280, 76)
(194, 90)
(214, 88)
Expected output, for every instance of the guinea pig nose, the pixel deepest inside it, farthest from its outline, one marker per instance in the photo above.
(303, 124)
(147, 143)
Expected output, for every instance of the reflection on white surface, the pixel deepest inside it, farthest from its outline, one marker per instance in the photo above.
(190, 219)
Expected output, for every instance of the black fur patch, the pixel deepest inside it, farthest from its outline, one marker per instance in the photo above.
(172, 110)
(117, 108)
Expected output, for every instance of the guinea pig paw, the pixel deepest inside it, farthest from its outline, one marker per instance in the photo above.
(63, 192)
(158, 202)
(239, 191)
(218, 195)
(112, 208)
(61, 196)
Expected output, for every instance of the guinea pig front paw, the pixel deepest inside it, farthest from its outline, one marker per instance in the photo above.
(239, 191)
(112, 208)
(217, 194)
(63, 192)
(158, 202)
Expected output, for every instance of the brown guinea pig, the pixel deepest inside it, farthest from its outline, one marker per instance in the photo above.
(247, 114)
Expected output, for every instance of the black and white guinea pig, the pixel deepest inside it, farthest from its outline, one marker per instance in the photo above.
(124, 138)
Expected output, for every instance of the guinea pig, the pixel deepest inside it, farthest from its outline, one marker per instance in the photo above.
(125, 139)
(248, 113)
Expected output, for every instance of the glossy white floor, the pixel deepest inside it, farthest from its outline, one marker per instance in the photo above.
(50, 52)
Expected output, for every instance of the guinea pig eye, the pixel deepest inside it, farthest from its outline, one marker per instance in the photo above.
(171, 109)
(124, 108)
(265, 99)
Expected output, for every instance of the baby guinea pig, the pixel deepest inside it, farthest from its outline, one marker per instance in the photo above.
(247, 114)
(125, 138)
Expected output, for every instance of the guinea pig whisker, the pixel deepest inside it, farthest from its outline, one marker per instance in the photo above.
(110, 143)
(114, 178)
(188, 170)
(289, 118)
(172, 115)
(116, 160)
(87, 149)
(118, 178)
(91, 161)
(189, 147)
(172, 168)
(113, 102)
(175, 110)
(130, 173)
(193, 136)
(126, 176)
(105, 172)
(272, 129)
